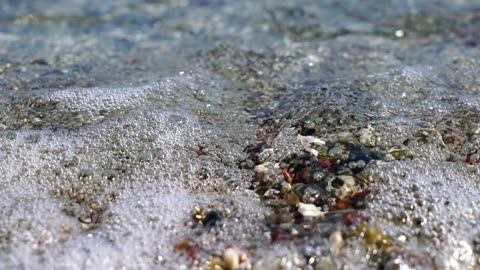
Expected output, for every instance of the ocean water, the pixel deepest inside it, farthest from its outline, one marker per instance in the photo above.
(157, 134)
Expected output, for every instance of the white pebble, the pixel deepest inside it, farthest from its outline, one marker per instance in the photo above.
(260, 169)
(347, 179)
(312, 151)
(231, 259)
(366, 138)
(307, 140)
(309, 210)
(336, 241)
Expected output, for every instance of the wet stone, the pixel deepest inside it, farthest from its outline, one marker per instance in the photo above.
(11, 135)
(335, 152)
(311, 194)
(212, 218)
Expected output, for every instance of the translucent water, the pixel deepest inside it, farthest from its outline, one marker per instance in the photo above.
(159, 134)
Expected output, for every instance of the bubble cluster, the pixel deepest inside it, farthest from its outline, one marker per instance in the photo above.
(86, 189)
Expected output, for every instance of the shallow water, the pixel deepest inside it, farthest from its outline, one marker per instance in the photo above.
(157, 134)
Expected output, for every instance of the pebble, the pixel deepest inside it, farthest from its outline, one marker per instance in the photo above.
(311, 194)
(347, 179)
(261, 169)
(336, 241)
(231, 258)
(325, 263)
(286, 187)
(312, 151)
(346, 137)
(212, 218)
(335, 152)
(309, 210)
(307, 140)
(366, 138)
(11, 135)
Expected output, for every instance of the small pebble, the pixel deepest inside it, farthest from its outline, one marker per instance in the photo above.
(347, 179)
(336, 241)
(366, 138)
(231, 258)
(11, 135)
(309, 210)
